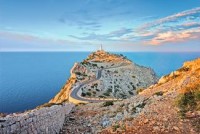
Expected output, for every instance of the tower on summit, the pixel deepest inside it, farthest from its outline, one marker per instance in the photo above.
(101, 48)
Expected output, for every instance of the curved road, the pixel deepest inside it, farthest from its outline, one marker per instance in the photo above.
(74, 93)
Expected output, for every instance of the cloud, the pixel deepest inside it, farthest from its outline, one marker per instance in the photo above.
(91, 15)
(188, 14)
(114, 35)
(175, 28)
(178, 27)
(175, 36)
(13, 41)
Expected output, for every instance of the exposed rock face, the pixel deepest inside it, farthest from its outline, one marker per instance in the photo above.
(154, 110)
(47, 120)
(63, 95)
(120, 78)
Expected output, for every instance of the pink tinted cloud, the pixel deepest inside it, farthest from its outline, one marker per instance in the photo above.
(174, 28)
(174, 36)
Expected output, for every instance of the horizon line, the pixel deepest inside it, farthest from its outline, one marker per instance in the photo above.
(106, 51)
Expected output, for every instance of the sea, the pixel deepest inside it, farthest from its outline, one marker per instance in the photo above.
(29, 79)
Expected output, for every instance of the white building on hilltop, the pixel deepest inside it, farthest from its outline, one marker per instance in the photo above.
(101, 48)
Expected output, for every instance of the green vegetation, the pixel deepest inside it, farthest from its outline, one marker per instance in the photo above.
(101, 96)
(88, 94)
(188, 101)
(83, 94)
(139, 90)
(106, 94)
(94, 65)
(123, 95)
(108, 103)
(130, 92)
(109, 90)
(77, 73)
(159, 93)
(116, 86)
(115, 71)
(114, 127)
(183, 69)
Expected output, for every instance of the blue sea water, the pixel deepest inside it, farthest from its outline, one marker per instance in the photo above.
(29, 79)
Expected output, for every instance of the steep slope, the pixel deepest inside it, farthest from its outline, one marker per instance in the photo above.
(119, 77)
(170, 106)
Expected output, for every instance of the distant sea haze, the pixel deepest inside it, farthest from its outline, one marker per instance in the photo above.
(29, 79)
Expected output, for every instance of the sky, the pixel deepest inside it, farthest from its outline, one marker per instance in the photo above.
(82, 25)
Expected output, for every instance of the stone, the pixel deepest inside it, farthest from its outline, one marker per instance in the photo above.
(71, 118)
(176, 128)
(156, 128)
(105, 123)
(146, 121)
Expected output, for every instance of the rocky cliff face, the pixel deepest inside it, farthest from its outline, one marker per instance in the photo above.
(120, 78)
(170, 106)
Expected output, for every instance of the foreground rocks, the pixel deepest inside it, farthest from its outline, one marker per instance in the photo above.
(47, 120)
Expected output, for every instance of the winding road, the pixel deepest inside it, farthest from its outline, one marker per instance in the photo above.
(75, 91)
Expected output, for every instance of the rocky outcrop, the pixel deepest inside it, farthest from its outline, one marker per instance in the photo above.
(47, 120)
(171, 106)
(63, 95)
(120, 78)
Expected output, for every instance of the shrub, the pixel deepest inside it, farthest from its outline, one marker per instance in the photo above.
(131, 93)
(109, 90)
(188, 102)
(139, 90)
(83, 94)
(183, 69)
(160, 93)
(77, 73)
(101, 96)
(106, 94)
(115, 127)
(88, 94)
(108, 103)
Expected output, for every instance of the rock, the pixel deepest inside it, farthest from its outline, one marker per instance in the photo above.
(156, 128)
(176, 128)
(146, 121)
(105, 123)
(165, 119)
(118, 116)
(71, 118)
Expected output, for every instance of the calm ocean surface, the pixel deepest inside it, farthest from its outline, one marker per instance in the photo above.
(29, 79)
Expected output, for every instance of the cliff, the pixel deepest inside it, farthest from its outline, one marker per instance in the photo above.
(118, 77)
(170, 106)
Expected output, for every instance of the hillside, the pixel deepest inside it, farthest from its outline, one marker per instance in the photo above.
(170, 106)
(107, 76)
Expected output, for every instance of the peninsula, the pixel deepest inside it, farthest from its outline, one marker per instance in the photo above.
(103, 76)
